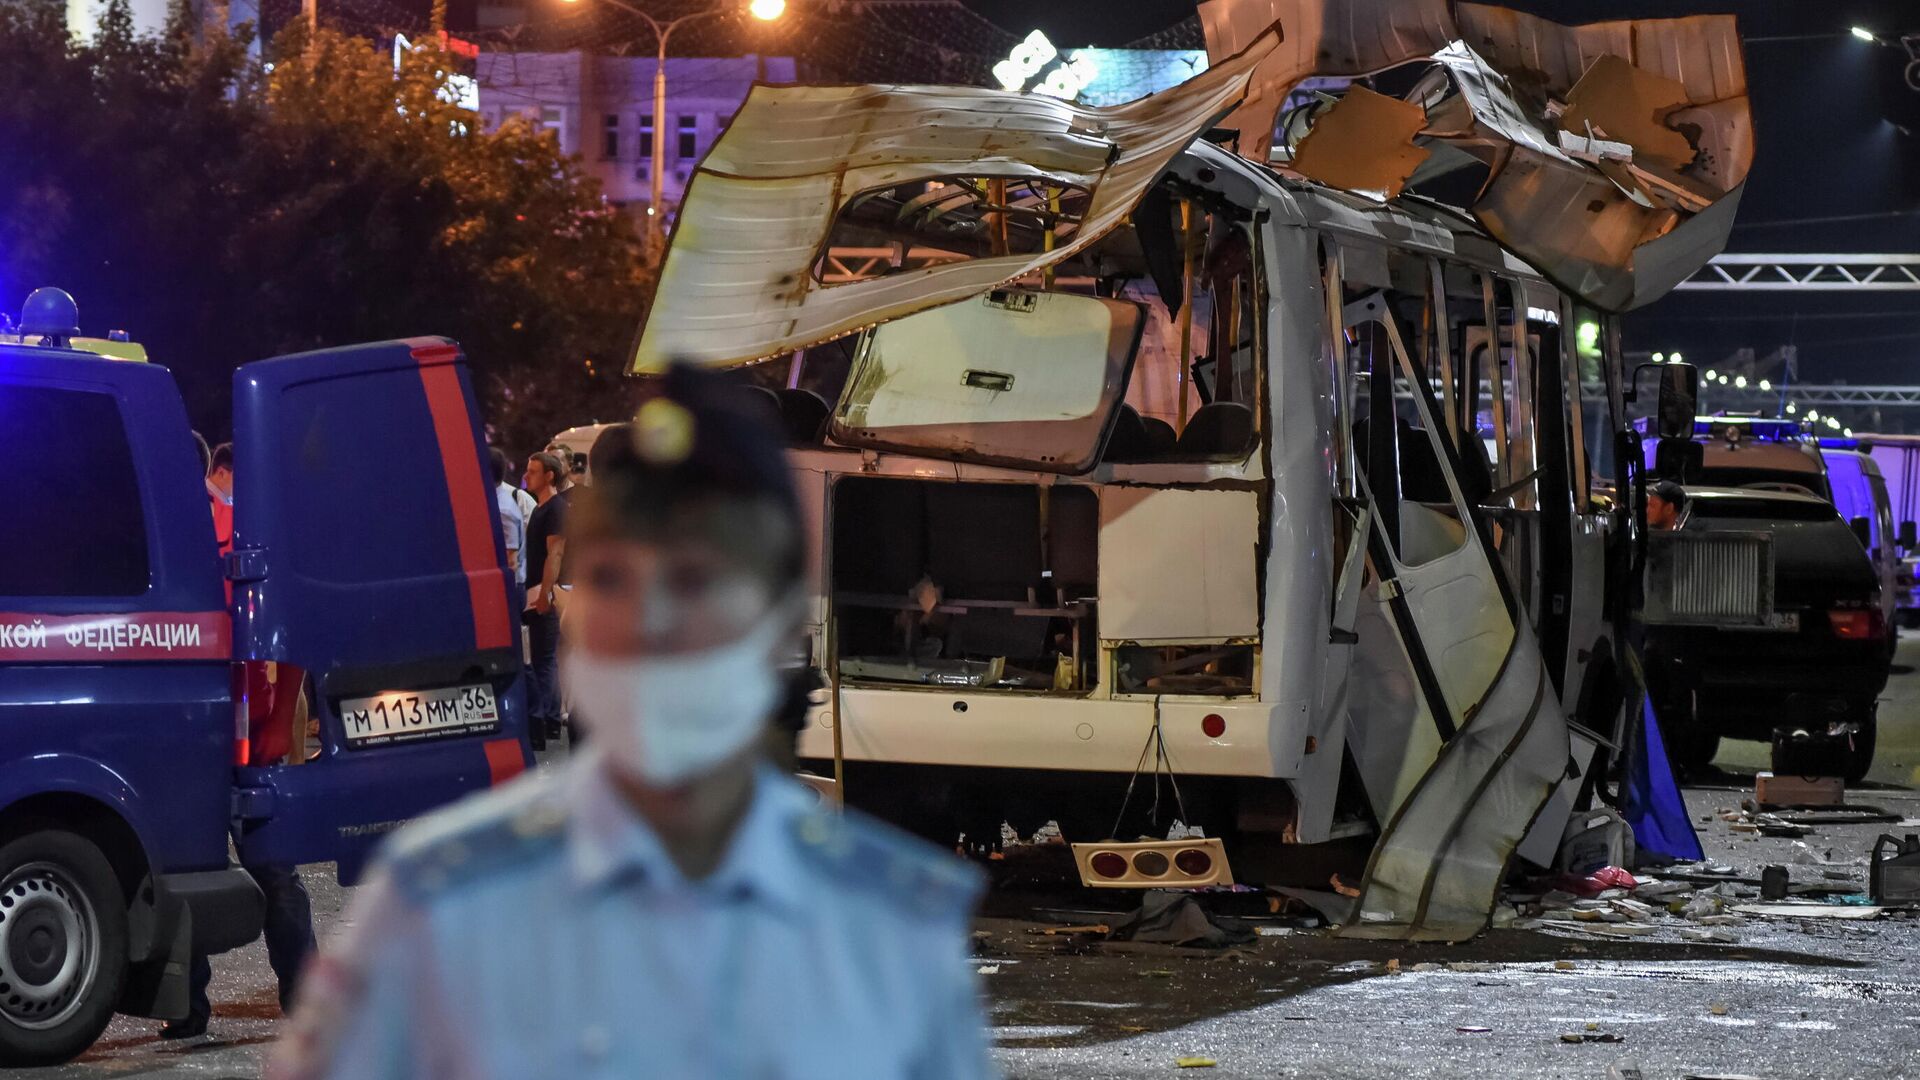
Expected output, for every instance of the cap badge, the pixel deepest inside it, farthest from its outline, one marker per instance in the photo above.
(663, 433)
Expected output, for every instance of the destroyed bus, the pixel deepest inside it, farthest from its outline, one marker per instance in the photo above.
(1165, 483)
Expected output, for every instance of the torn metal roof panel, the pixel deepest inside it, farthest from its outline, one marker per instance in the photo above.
(1616, 134)
(738, 283)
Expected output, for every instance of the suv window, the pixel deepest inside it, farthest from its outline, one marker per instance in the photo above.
(75, 526)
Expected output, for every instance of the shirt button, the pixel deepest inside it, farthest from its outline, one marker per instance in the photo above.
(594, 1042)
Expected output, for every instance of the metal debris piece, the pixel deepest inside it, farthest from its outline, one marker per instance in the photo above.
(1364, 144)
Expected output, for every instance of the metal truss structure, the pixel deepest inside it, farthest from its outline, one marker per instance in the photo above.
(1806, 273)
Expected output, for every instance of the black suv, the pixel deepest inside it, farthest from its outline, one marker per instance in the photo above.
(1763, 614)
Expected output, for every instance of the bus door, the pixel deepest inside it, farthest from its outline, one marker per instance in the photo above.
(1460, 679)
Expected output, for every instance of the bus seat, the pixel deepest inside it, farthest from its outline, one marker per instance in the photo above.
(805, 415)
(1217, 429)
(1129, 441)
(1160, 437)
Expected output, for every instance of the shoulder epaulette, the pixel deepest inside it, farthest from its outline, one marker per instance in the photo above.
(502, 828)
(861, 851)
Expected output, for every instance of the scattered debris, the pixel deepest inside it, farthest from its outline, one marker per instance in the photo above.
(1592, 1037)
(1894, 879)
(1718, 1008)
(1771, 791)
(1195, 1063)
(1811, 911)
(988, 969)
(1473, 1030)
(1173, 917)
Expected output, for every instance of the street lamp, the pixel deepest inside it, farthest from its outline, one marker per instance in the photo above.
(764, 10)
(1865, 34)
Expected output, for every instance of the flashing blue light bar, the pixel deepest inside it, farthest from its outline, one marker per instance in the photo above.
(1751, 428)
(1837, 442)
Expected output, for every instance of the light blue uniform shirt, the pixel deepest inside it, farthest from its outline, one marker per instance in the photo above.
(542, 930)
(513, 525)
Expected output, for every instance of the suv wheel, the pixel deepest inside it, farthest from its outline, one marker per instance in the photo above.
(63, 946)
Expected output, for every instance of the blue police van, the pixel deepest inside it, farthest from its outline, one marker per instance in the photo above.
(366, 554)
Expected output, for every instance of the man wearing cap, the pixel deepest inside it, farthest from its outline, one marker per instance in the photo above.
(1665, 501)
(665, 904)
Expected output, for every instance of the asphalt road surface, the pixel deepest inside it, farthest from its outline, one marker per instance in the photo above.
(1789, 998)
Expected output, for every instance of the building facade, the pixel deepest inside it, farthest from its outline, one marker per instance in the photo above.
(601, 108)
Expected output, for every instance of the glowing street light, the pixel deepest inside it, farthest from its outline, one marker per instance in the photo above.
(1712, 375)
(1740, 382)
(764, 10)
(1723, 380)
(1659, 358)
(1832, 423)
(1813, 414)
(1848, 433)
(1673, 358)
(1765, 385)
(1866, 35)
(1792, 408)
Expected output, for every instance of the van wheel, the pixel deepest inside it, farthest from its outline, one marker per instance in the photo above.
(63, 947)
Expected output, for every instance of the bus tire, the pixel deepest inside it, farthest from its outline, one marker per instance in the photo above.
(63, 946)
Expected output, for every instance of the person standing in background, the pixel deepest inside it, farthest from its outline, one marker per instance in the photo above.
(546, 549)
(513, 520)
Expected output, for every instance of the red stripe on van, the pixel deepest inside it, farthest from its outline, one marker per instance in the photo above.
(468, 494)
(504, 761)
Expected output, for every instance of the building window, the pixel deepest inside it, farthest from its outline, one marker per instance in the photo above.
(85, 533)
(689, 138)
(610, 137)
(554, 118)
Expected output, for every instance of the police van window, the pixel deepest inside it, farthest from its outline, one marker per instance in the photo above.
(77, 527)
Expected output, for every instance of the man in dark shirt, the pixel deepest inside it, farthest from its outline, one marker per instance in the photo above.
(545, 553)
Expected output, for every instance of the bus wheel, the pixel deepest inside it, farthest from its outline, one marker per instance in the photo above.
(63, 946)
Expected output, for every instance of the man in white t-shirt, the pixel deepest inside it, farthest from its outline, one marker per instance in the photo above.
(513, 516)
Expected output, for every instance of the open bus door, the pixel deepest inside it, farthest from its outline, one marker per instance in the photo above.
(1486, 740)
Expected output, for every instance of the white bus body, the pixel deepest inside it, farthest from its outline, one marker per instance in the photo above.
(1314, 727)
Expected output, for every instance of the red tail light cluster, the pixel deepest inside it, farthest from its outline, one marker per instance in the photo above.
(1857, 624)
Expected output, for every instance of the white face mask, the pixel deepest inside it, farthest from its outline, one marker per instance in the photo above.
(668, 719)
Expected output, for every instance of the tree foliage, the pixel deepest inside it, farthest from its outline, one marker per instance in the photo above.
(222, 210)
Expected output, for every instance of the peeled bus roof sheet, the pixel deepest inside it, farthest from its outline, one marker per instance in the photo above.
(738, 284)
(1615, 215)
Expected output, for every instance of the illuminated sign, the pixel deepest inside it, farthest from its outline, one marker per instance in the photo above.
(1032, 56)
(1095, 76)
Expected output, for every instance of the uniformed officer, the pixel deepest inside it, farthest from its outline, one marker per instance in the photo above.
(666, 904)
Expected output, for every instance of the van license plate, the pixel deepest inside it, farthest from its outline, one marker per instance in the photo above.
(1784, 620)
(411, 715)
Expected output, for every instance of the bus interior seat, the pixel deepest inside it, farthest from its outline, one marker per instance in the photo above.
(1160, 437)
(1128, 441)
(804, 414)
(1217, 429)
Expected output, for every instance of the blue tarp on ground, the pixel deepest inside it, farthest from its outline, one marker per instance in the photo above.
(1662, 828)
